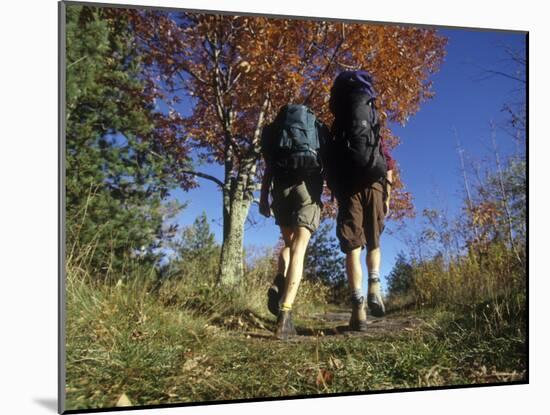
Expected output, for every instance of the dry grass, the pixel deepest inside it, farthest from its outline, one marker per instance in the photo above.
(190, 342)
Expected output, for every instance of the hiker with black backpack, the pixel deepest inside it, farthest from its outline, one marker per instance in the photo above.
(359, 174)
(291, 146)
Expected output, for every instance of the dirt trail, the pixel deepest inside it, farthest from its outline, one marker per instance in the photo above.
(331, 324)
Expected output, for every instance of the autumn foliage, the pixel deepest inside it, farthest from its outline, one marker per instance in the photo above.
(235, 72)
(240, 70)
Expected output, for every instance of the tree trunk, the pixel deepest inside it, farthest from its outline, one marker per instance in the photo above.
(237, 200)
(238, 194)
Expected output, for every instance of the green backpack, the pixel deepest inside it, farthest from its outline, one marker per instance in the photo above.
(293, 142)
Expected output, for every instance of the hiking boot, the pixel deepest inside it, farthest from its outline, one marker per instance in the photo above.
(358, 320)
(274, 294)
(374, 300)
(285, 327)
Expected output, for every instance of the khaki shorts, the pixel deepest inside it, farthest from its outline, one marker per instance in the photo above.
(297, 202)
(360, 219)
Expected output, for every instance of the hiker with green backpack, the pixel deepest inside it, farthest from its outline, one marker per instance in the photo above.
(359, 174)
(292, 147)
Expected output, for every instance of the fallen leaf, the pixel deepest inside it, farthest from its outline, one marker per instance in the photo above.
(123, 401)
(324, 377)
(335, 363)
(190, 365)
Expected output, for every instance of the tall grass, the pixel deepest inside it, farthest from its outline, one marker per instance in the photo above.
(470, 279)
(479, 300)
(190, 341)
(119, 341)
(128, 335)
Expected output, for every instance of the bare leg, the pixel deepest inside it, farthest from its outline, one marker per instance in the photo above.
(353, 268)
(374, 297)
(275, 292)
(298, 247)
(284, 255)
(358, 320)
(373, 264)
(373, 259)
(296, 240)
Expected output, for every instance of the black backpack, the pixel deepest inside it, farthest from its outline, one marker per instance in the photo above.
(355, 151)
(293, 142)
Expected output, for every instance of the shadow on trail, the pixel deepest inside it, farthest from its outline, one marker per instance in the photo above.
(308, 333)
(331, 325)
(328, 331)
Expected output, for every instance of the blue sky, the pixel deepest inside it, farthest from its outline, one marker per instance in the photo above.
(427, 154)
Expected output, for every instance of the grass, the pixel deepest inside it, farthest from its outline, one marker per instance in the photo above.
(193, 343)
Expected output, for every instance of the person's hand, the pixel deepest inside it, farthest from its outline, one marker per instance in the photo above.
(264, 207)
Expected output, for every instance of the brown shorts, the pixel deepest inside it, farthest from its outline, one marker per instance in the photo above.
(297, 202)
(360, 219)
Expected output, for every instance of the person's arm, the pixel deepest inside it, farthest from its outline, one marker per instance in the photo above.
(264, 192)
(389, 183)
(389, 176)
